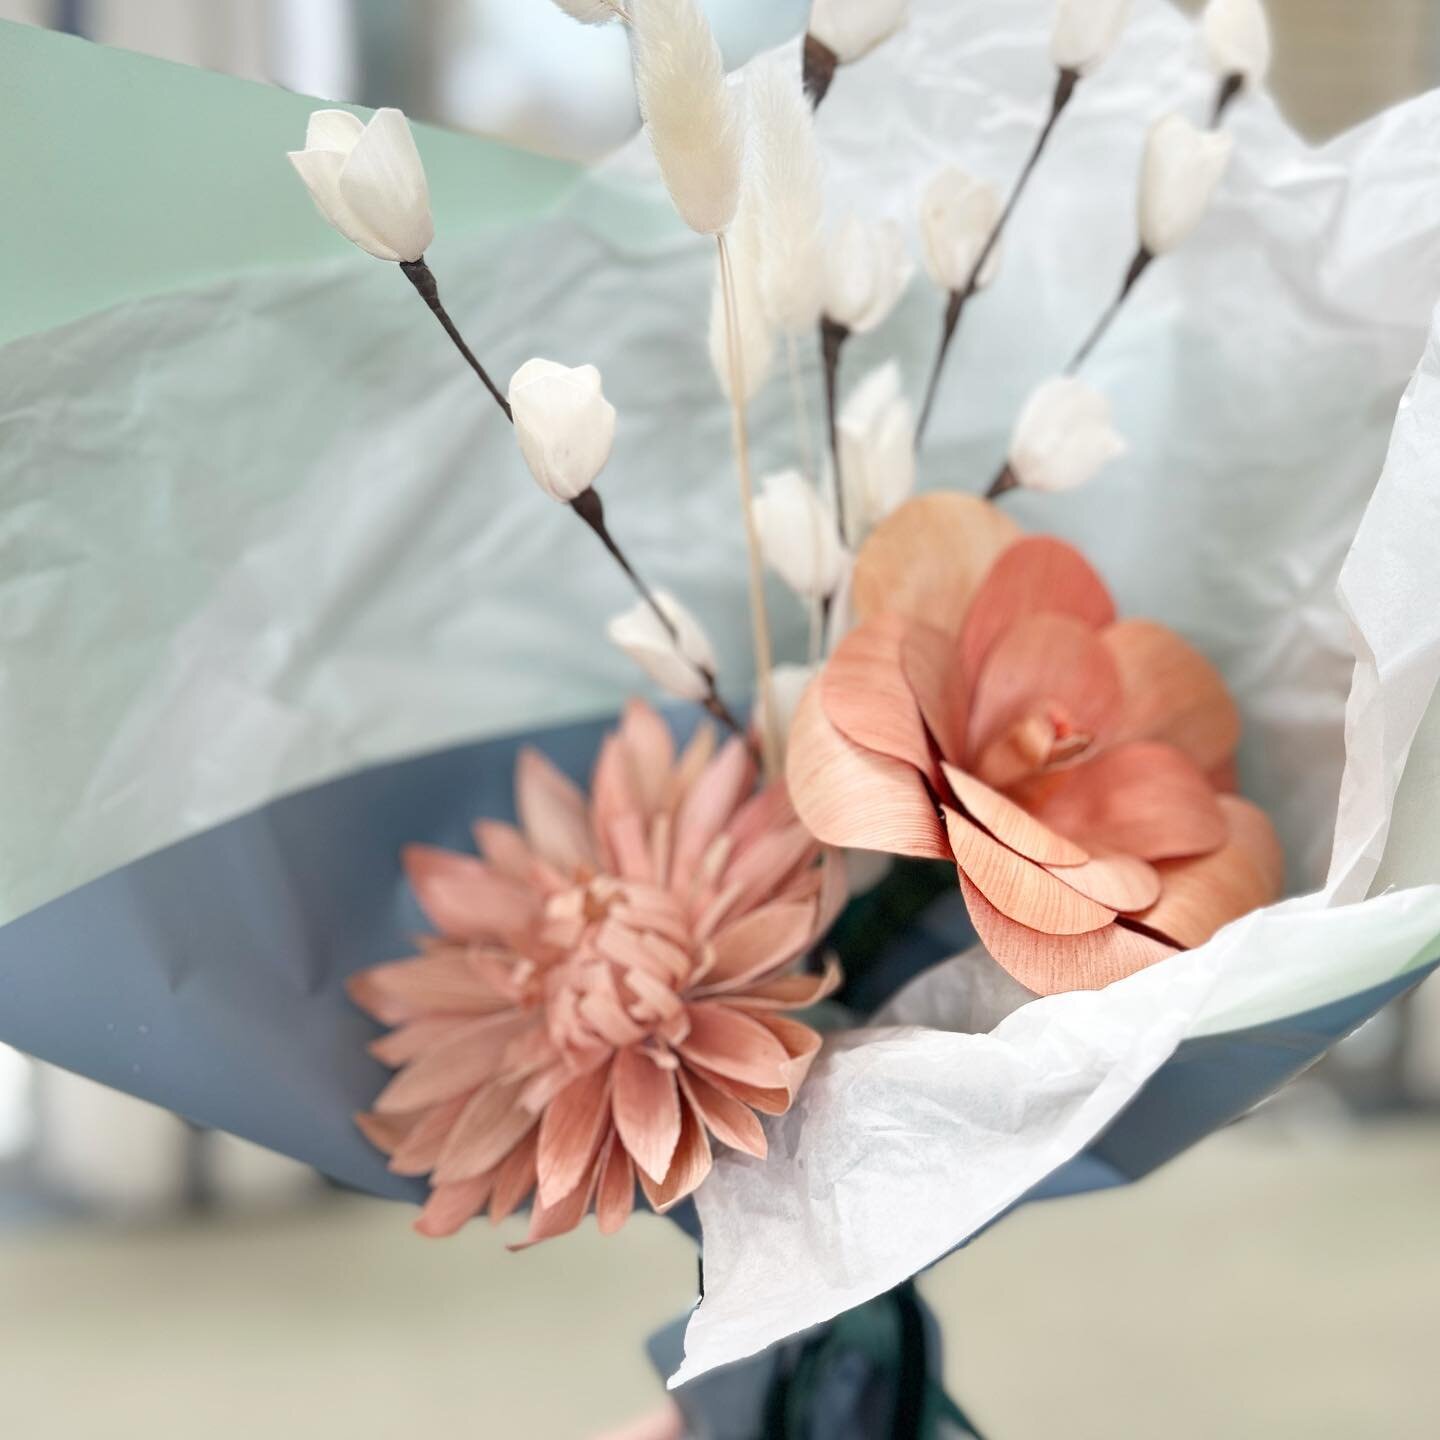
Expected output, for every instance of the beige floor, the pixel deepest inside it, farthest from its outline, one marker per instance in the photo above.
(1261, 1287)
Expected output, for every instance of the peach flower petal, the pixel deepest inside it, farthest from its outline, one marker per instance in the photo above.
(651, 750)
(689, 1166)
(447, 981)
(1017, 887)
(615, 1195)
(1122, 882)
(386, 1132)
(1012, 825)
(1049, 964)
(767, 1099)
(463, 1060)
(940, 685)
(735, 1045)
(790, 992)
(1035, 575)
(1050, 665)
(514, 1178)
(413, 1038)
(867, 697)
(1144, 799)
(549, 1221)
(1202, 894)
(450, 1207)
(420, 1152)
(1171, 692)
(927, 558)
(489, 1127)
(801, 1044)
(708, 806)
(574, 1124)
(852, 797)
(464, 898)
(760, 943)
(646, 1107)
(553, 813)
(730, 1121)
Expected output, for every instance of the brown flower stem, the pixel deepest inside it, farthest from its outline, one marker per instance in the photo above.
(818, 69)
(1229, 88)
(759, 618)
(1138, 266)
(1065, 84)
(1004, 481)
(419, 274)
(591, 509)
(832, 341)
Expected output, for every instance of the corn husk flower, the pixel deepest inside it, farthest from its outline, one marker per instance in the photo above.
(851, 29)
(866, 272)
(876, 435)
(603, 999)
(1085, 32)
(692, 114)
(958, 213)
(797, 535)
(1182, 166)
(564, 424)
(1064, 436)
(788, 201)
(368, 181)
(682, 664)
(992, 710)
(1236, 37)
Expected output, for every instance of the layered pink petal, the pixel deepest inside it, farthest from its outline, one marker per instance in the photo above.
(1011, 824)
(927, 558)
(646, 1107)
(853, 797)
(420, 1151)
(514, 1178)
(490, 1126)
(1202, 894)
(1017, 887)
(689, 1165)
(462, 1061)
(728, 1120)
(1171, 692)
(1048, 964)
(449, 1207)
(615, 1195)
(553, 813)
(867, 697)
(1144, 799)
(708, 806)
(1035, 575)
(464, 898)
(574, 1124)
(940, 684)
(445, 981)
(759, 944)
(1121, 882)
(730, 1043)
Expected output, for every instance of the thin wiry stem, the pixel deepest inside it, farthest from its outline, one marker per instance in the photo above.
(832, 341)
(586, 505)
(419, 274)
(1064, 89)
(1138, 266)
(759, 619)
(1229, 88)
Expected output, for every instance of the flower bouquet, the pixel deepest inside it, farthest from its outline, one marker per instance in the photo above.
(979, 900)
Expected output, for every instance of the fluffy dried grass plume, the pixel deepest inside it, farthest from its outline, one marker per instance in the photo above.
(593, 12)
(754, 334)
(788, 195)
(694, 117)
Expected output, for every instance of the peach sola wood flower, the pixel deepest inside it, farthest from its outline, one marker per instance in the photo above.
(606, 990)
(990, 709)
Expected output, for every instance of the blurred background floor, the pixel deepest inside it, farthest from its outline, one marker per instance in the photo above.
(1273, 1283)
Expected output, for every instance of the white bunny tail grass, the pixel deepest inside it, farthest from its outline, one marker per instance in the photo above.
(694, 117)
(789, 198)
(594, 12)
(755, 337)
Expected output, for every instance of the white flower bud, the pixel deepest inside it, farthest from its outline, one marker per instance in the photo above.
(1182, 166)
(1236, 35)
(797, 535)
(695, 122)
(958, 214)
(1085, 32)
(564, 424)
(866, 272)
(1063, 437)
(851, 29)
(679, 669)
(876, 434)
(368, 182)
(591, 12)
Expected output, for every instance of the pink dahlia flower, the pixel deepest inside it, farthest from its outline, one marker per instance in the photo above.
(606, 990)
